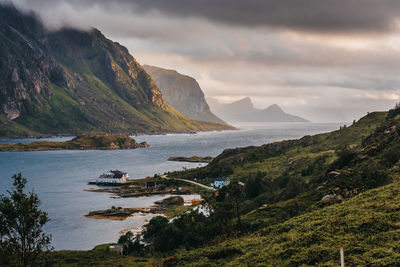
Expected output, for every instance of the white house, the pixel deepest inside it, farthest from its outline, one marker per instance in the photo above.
(113, 177)
(221, 181)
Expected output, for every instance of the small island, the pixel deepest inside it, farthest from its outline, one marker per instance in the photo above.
(192, 159)
(81, 142)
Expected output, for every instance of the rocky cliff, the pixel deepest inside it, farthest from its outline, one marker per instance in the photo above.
(183, 93)
(70, 81)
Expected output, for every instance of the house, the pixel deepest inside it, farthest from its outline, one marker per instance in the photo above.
(112, 178)
(221, 181)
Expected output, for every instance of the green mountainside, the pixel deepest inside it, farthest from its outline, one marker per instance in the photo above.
(70, 82)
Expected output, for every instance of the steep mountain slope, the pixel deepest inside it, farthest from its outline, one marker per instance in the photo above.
(244, 111)
(183, 93)
(70, 81)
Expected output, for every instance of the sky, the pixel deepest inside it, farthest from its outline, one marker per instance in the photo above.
(330, 60)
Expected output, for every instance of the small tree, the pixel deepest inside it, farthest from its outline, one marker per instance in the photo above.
(236, 194)
(21, 233)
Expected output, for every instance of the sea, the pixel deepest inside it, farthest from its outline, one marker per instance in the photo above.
(61, 177)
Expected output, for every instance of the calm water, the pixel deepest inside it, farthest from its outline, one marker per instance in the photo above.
(60, 177)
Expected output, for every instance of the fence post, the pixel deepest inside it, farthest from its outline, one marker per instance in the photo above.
(341, 256)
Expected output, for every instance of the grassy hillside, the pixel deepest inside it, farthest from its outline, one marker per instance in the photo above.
(287, 222)
(367, 226)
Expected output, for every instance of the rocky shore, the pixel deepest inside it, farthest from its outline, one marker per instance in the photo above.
(119, 213)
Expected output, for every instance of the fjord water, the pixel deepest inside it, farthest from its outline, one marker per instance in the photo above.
(60, 177)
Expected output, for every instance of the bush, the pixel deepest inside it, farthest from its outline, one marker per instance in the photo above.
(224, 253)
(391, 156)
(394, 112)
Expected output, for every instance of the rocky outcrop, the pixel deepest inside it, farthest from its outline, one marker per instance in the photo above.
(183, 93)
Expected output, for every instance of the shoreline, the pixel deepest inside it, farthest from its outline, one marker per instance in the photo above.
(80, 142)
(162, 207)
(40, 136)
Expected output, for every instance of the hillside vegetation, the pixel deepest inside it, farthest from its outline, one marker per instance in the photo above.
(305, 198)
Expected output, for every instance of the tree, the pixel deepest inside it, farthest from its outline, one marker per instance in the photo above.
(130, 243)
(236, 194)
(155, 226)
(21, 234)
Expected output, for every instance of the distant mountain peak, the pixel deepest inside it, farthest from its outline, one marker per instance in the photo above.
(243, 111)
(243, 103)
(275, 108)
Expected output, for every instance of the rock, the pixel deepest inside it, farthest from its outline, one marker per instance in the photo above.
(14, 76)
(329, 197)
(174, 200)
(333, 174)
(12, 110)
(144, 144)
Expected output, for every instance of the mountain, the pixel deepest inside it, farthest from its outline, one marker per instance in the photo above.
(183, 93)
(71, 81)
(244, 111)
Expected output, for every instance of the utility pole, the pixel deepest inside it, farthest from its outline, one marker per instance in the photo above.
(341, 256)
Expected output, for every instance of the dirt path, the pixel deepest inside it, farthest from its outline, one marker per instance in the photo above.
(189, 181)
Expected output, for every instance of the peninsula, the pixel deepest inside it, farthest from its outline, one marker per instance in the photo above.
(81, 142)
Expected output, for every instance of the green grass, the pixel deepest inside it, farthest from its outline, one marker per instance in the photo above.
(92, 258)
(368, 226)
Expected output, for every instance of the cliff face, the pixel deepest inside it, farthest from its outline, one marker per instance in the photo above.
(183, 93)
(72, 81)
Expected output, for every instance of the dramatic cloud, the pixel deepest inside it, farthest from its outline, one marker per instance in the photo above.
(308, 15)
(322, 59)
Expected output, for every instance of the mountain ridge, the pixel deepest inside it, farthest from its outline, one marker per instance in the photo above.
(243, 110)
(71, 81)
